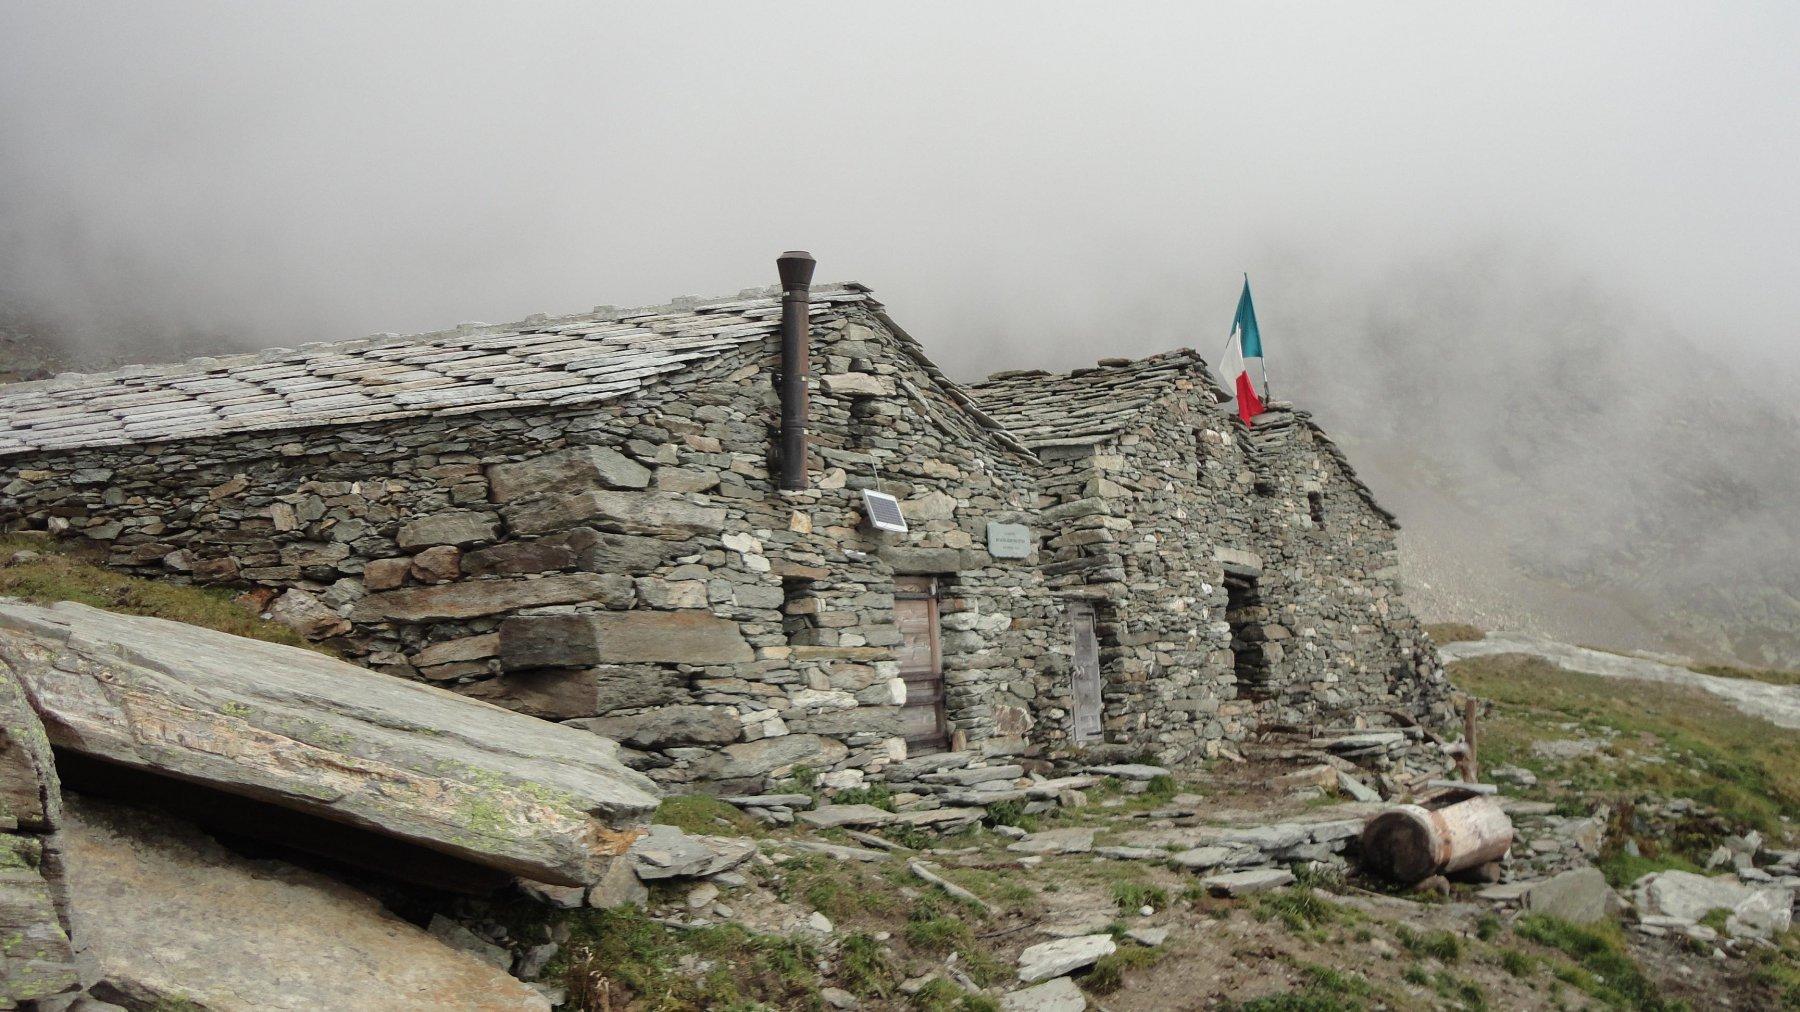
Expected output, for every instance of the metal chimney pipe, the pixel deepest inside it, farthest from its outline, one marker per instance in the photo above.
(796, 268)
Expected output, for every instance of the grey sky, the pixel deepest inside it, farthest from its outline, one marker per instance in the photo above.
(1088, 178)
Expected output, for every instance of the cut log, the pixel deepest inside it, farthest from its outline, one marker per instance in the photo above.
(1411, 843)
(304, 731)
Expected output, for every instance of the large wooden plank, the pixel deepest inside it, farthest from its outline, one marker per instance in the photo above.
(318, 735)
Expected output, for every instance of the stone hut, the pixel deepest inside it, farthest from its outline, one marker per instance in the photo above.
(581, 518)
(1233, 575)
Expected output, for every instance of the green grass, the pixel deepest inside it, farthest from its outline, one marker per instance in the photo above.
(1108, 974)
(614, 957)
(1454, 632)
(60, 575)
(942, 996)
(1132, 895)
(864, 967)
(1774, 676)
(1746, 769)
(1602, 966)
(1439, 945)
(1300, 909)
(1622, 868)
(703, 814)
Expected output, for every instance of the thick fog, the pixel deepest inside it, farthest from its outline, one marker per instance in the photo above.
(1486, 201)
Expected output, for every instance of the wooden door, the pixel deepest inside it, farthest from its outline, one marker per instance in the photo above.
(921, 664)
(1087, 674)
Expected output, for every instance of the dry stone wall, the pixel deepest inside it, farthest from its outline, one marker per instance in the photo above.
(628, 567)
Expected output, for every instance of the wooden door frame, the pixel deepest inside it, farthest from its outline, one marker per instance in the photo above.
(925, 588)
(1073, 609)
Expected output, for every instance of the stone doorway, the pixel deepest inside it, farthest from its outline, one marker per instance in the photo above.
(1086, 676)
(1246, 613)
(924, 723)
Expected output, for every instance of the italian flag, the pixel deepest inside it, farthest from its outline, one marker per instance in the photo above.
(1244, 349)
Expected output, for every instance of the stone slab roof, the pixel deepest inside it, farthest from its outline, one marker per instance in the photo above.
(1086, 405)
(593, 357)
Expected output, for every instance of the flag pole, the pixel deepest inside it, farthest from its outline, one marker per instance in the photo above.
(1264, 357)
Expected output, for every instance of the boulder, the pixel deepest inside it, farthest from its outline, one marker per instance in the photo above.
(570, 470)
(168, 918)
(1765, 913)
(1686, 895)
(1580, 895)
(1064, 955)
(451, 527)
(668, 852)
(303, 731)
(36, 959)
(475, 598)
(307, 615)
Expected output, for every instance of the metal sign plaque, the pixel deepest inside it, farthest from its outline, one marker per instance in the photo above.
(1008, 541)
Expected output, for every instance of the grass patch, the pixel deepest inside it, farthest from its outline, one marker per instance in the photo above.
(59, 575)
(1108, 974)
(1774, 676)
(1439, 945)
(1132, 895)
(1454, 632)
(876, 795)
(942, 996)
(1010, 813)
(1300, 909)
(703, 814)
(1622, 868)
(1745, 768)
(615, 957)
(864, 967)
(1603, 968)
(1517, 963)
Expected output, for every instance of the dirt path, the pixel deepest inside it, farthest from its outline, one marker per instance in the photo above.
(1777, 704)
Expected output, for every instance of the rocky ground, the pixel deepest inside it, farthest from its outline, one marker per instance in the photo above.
(1654, 867)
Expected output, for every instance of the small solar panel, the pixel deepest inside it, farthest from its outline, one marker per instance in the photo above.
(884, 511)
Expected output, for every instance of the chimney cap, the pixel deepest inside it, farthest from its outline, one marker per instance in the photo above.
(796, 268)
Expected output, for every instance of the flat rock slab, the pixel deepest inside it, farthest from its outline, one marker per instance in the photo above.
(1202, 858)
(1055, 841)
(940, 818)
(837, 852)
(169, 917)
(668, 852)
(1059, 995)
(771, 801)
(1243, 883)
(304, 731)
(969, 776)
(1064, 955)
(1129, 771)
(834, 816)
(1151, 937)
